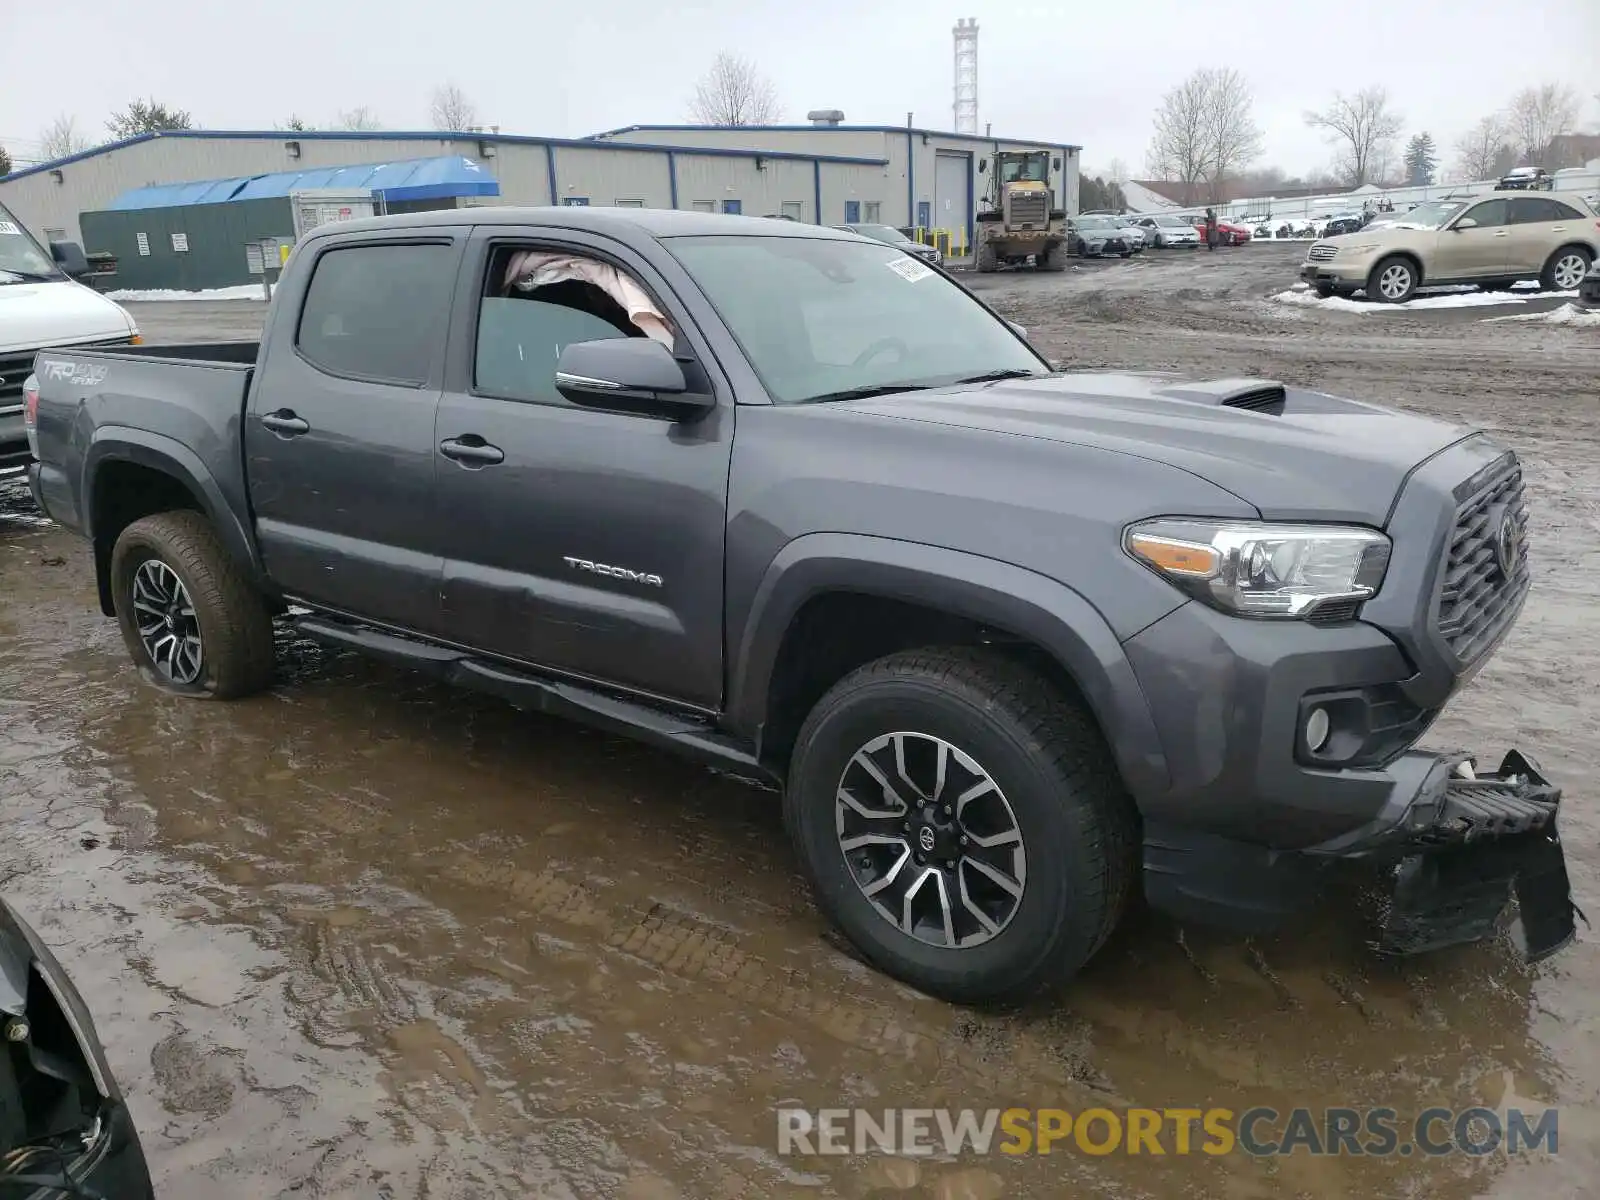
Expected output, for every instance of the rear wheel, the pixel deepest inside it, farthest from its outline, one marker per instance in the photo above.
(1393, 281)
(1565, 269)
(189, 617)
(1053, 259)
(962, 822)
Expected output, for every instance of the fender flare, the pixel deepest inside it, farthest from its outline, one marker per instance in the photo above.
(118, 443)
(1020, 602)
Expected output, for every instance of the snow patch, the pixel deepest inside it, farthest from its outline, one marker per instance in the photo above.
(1567, 314)
(244, 291)
(1453, 298)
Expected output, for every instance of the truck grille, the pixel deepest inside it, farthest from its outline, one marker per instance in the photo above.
(14, 368)
(1030, 208)
(1479, 597)
(1321, 253)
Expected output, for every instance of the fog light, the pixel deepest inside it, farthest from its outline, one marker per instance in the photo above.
(17, 1030)
(1318, 727)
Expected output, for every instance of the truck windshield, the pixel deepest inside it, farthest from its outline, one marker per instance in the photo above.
(822, 319)
(21, 259)
(1031, 168)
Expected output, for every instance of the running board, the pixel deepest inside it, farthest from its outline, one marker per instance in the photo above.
(683, 735)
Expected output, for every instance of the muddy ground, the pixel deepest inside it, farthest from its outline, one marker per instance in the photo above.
(363, 936)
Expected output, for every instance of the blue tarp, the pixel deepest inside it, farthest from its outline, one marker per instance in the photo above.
(409, 179)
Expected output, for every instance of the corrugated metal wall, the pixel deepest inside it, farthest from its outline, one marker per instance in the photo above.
(604, 177)
(216, 235)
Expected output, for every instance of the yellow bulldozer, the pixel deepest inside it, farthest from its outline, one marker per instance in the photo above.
(1019, 218)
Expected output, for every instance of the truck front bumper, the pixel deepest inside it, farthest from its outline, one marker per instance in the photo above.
(1450, 857)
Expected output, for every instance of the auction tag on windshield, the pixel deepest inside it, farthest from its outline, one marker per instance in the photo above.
(8, 227)
(910, 269)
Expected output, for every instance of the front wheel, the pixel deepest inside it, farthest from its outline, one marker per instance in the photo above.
(189, 617)
(1393, 281)
(962, 822)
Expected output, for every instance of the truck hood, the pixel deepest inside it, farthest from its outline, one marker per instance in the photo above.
(1318, 458)
(58, 313)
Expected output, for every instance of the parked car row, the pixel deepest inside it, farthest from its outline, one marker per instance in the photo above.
(1490, 241)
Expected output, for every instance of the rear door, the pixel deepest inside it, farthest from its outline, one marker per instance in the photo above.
(1541, 225)
(339, 437)
(578, 540)
(1482, 252)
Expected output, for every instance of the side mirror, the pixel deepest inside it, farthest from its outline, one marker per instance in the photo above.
(625, 373)
(1057, 162)
(1018, 330)
(70, 258)
(983, 165)
(1464, 223)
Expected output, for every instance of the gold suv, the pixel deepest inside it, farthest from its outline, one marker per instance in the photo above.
(1489, 241)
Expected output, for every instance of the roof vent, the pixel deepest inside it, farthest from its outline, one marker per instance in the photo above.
(825, 116)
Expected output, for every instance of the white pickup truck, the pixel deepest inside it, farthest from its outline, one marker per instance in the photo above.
(43, 306)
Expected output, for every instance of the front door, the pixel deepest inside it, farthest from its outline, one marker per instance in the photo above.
(339, 437)
(578, 540)
(1477, 253)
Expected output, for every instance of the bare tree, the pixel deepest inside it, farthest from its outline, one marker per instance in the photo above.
(295, 124)
(1480, 151)
(1363, 127)
(1232, 137)
(1537, 116)
(451, 109)
(61, 138)
(358, 118)
(1178, 150)
(5, 161)
(734, 92)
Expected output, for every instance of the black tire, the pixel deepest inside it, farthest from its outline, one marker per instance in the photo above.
(235, 655)
(1403, 276)
(1570, 261)
(1054, 259)
(988, 258)
(1054, 773)
(1083, 248)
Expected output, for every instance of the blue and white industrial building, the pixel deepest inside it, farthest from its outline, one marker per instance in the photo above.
(826, 172)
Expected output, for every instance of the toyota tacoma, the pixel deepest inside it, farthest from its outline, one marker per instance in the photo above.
(1015, 645)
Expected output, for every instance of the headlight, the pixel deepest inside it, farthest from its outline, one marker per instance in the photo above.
(1252, 569)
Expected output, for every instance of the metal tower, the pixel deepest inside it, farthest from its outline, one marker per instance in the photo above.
(966, 93)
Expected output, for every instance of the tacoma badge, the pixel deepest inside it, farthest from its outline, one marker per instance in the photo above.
(594, 568)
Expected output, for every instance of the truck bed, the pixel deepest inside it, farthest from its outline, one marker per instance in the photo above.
(179, 402)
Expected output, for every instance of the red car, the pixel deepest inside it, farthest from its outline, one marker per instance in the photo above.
(1228, 234)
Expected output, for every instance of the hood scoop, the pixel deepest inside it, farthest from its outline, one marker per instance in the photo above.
(1257, 395)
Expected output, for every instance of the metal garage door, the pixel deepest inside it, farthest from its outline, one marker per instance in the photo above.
(952, 177)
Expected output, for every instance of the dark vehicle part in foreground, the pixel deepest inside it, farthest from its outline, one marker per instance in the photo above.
(1013, 643)
(1589, 289)
(64, 1128)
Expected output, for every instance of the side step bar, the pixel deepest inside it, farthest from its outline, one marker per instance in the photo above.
(681, 734)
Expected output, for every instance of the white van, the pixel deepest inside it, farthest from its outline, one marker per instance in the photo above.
(42, 304)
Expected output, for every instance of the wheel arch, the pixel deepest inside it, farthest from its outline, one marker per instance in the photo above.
(133, 473)
(1411, 256)
(835, 584)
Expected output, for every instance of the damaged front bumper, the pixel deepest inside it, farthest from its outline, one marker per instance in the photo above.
(1464, 847)
(1452, 851)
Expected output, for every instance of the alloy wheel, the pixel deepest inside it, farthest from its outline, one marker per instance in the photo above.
(167, 624)
(1394, 282)
(930, 839)
(1569, 272)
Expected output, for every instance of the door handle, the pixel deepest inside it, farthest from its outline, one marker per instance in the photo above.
(285, 423)
(1504, 233)
(471, 451)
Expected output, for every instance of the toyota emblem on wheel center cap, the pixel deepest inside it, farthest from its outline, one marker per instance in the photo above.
(925, 839)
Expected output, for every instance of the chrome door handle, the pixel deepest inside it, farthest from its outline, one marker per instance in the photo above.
(1503, 233)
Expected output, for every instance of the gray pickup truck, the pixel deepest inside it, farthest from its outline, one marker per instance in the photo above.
(1015, 645)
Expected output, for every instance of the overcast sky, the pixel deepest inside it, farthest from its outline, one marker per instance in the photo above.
(1089, 73)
